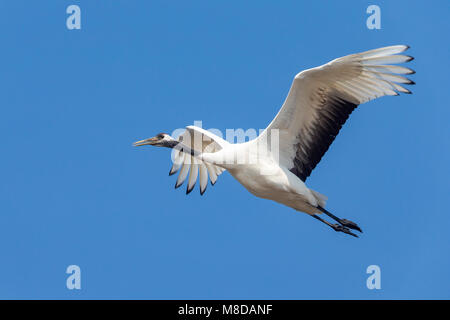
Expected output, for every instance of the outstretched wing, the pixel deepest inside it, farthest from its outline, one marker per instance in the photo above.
(192, 168)
(321, 99)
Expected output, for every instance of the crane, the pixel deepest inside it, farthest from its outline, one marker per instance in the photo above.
(277, 163)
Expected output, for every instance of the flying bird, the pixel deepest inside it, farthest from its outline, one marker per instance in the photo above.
(319, 102)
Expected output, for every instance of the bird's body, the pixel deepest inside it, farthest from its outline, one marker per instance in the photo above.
(277, 163)
(282, 186)
(265, 178)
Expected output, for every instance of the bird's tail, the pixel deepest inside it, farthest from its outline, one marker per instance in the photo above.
(321, 199)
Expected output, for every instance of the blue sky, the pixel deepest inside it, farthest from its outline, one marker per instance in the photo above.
(74, 190)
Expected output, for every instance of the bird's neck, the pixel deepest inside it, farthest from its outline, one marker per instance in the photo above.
(182, 147)
(171, 144)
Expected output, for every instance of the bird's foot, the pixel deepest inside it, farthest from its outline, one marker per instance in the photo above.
(340, 228)
(350, 224)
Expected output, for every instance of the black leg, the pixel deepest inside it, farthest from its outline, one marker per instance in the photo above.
(336, 227)
(344, 222)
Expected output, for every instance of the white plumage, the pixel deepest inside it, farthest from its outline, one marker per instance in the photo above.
(318, 104)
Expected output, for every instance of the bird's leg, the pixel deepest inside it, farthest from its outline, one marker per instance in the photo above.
(336, 227)
(344, 222)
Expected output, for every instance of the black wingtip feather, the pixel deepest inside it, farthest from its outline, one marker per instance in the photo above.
(189, 190)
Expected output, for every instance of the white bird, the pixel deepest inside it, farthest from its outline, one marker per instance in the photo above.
(318, 103)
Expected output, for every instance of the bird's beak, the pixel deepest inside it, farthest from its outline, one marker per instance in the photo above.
(150, 141)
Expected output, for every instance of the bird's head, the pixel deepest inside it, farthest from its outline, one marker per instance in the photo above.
(160, 140)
